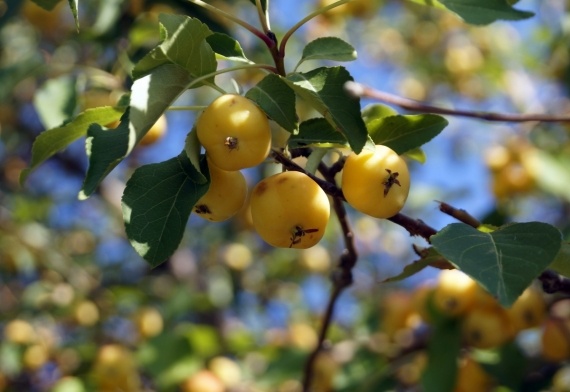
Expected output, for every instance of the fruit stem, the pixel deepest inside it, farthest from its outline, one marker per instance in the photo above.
(240, 22)
(229, 69)
(307, 18)
(263, 16)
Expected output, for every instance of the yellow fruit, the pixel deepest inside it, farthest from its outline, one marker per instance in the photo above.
(422, 297)
(471, 377)
(35, 356)
(303, 336)
(325, 369)
(227, 370)
(561, 380)
(156, 132)
(528, 311)
(203, 381)
(555, 341)
(225, 197)
(397, 307)
(20, 332)
(487, 327)
(290, 210)
(377, 182)
(235, 132)
(86, 313)
(115, 370)
(149, 322)
(454, 293)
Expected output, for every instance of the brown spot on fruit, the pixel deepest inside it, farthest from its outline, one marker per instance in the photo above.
(202, 209)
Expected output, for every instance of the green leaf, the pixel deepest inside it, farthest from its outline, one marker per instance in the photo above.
(508, 367)
(227, 47)
(49, 142)
(403, 133)
(481, 12)
(55, 100)
(323, 89)
(277, 100)
(47, 5)
(192, 149)
(184, 44)
(417, 154)
(429, 256)
(376, 111)
(157, 203)
(150, 97)
(74, 5)
(561, 263)
(263, 4)
(505, 261)
(328, 48)
(443, 349)
(316, 131)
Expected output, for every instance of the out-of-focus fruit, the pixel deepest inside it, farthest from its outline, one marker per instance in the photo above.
(203, 381)
(487, 327)
(149, 322)
(156, 132)
(454, 293)
(471, 377)
(555, 341)
(115, 369)
(19, 331)
(528, 311)
(227, 370)
(86, 313)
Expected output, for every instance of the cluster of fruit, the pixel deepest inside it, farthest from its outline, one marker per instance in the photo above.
(485, 324)
(511, 168)
(288, 209)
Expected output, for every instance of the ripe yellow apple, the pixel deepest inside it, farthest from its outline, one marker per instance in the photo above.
(487, 327)
(289, 210)
(156, 132)
(555, 341)
(529, 310)
(225, 197)
(115, 369)
(203, 381)
(454, 293)
(235, 132)
(471, 377)
(376, 182)
(149, 322)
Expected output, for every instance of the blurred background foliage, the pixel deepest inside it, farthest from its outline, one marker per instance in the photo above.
(79, 308)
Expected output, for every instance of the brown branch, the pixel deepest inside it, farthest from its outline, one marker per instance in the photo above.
(361, 91)
(459, 214)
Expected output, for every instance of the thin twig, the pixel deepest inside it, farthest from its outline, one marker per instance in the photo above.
(459, 214)
(361, 91)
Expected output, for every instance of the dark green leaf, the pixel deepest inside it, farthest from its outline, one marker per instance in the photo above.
(157, 203)
(54, 140)
(55, 101)
(47, 5)
(74, 5)
(263, 4)
(184, 44)
(323, 89)
(507, 366)
(481, 12)
(316, 131)
(277, 100)
(443, 350)
(403, 133)
(227, 47)
(328, 48)
(192, 148)
(150, 97)
(504, 261)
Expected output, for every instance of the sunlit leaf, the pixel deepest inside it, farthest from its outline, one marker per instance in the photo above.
(55, 100)
(226, 47)
(49, 142)
(403, 133)
(150, 97)
(504, 261)
(328, 48)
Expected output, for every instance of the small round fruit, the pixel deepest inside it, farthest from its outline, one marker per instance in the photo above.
(555, 341)
(203, 381)
(115, 369)
(149, 322)
(529, 310)
(454, 293)
(471, 377)
(376, 182)
(487, 327)
(235, 132)
(155, 133)
(290, 210)
(225, 197)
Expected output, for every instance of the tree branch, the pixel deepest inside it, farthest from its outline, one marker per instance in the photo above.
(361, 91)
